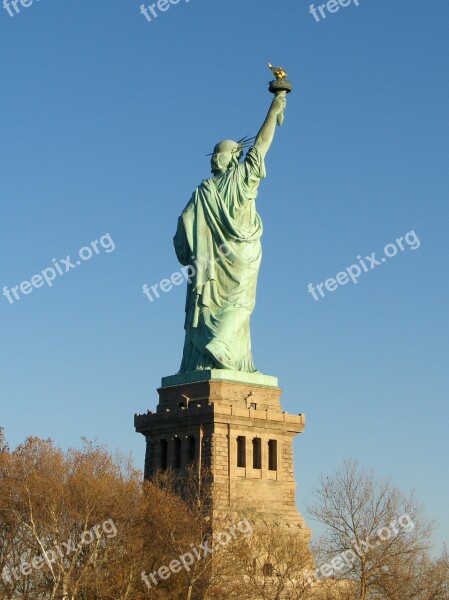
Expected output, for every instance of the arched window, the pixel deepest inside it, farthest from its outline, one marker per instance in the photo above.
(272, 455)
(241, 451)
(163, 454)
(177, 457)
(191, 449)
(149, 457)
(257, 453)
(268, 570)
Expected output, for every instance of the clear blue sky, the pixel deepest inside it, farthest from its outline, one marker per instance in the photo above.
(105, 121)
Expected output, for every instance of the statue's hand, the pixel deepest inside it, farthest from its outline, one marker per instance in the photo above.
(279, 103)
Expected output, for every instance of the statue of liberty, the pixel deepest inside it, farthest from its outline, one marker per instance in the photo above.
(218, 241)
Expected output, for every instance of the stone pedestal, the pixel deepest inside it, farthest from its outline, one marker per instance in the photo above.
(231, 424)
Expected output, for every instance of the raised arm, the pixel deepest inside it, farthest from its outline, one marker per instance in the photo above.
(266, 133)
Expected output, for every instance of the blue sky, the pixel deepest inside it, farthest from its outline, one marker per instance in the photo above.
(105, 121)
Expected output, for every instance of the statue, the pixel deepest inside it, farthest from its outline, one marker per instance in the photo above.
(218, 241)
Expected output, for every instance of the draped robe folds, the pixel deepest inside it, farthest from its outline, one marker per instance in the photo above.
(218, 242)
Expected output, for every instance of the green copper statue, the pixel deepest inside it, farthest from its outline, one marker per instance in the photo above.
(218, 242)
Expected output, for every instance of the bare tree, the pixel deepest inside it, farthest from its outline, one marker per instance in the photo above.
(72, 525)
(422, 578)
(373, 529)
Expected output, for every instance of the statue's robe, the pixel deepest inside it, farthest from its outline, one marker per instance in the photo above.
(219, 235)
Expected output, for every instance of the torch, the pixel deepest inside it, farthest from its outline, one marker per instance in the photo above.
(279, 86)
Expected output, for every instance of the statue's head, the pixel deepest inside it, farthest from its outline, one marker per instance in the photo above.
(226, 154)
